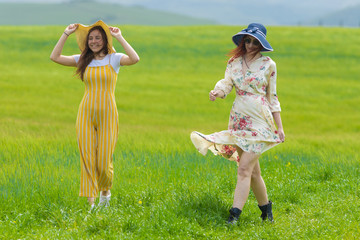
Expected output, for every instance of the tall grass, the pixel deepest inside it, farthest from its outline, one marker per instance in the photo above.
(177, 196)
(163, 188)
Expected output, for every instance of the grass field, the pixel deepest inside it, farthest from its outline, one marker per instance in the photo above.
(163, 188)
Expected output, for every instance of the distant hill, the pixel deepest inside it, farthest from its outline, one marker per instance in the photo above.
(236, 12)
(88, 13)
(346, 17)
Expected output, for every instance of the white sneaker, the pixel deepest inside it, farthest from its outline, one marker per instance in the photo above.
(92, 208)
(104, 200)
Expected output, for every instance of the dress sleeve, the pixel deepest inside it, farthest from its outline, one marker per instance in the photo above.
(225, 84)
(271, 89)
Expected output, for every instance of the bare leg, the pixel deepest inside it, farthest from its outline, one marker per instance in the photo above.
(258, 186)
(245, 169)
(105, 193)
(91, 200)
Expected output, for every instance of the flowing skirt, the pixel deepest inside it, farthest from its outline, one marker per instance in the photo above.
(251, 128)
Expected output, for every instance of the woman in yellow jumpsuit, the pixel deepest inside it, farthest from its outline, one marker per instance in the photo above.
(97, 119)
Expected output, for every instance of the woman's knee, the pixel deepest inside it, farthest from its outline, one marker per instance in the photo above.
(247, 165)
(244, 172)
(255, 175)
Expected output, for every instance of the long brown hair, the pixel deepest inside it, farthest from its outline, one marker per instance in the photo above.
(87, 55)
(239, 51)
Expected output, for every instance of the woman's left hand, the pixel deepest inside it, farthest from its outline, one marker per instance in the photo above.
(281, 134)
(115, 32)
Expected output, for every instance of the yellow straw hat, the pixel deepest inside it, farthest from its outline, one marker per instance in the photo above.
(83, 30)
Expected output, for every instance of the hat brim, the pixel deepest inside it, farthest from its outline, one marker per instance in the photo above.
(264, 43)
(83, 30)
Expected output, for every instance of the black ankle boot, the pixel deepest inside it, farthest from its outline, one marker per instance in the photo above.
(234, 215)
(267, 212)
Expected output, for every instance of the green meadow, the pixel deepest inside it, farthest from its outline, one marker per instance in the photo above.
(163, 188)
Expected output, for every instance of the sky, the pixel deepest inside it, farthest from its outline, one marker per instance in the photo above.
(234, 12)
(333, 4)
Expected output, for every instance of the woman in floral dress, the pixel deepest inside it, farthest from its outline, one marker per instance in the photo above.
(256, 109)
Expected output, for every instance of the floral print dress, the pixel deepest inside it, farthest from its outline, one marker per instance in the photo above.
(251, 124)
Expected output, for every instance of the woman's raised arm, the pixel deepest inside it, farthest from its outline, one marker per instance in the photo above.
(56, 53)
(132, 57)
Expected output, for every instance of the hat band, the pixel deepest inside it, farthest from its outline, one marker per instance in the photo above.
(255, 30)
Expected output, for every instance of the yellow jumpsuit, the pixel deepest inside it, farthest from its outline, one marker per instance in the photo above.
(97, 130)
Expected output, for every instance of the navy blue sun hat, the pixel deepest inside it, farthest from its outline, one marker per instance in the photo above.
(256, 30)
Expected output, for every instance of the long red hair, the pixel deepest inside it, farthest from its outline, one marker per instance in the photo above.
(239, 51)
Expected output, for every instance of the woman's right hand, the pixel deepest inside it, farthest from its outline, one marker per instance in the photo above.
(71, 28)
(56, 55)
(213, 95)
